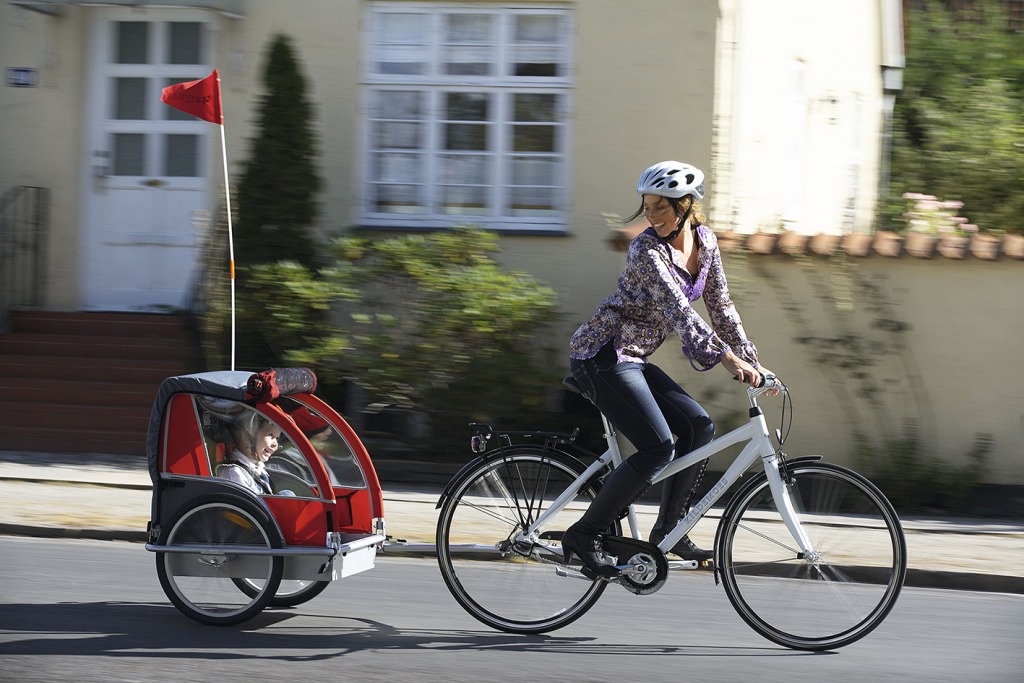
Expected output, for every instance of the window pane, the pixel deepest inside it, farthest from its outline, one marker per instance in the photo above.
(130, 99)
(465, 184)
(397, 168)
(464, 201)
(398, 199)
(401, 47)
(461, 106)
(396, 27)
(186, 43)
(398, 135)
(469, 48)
(537, 28)
(535, 171)
(131, 40)
(181, 155)
(533, 139)
(533, 201)
(467, 106)
(537, 50)
(129, 154)
(169, 112)
(465, 136)
(398, 104)
(464, 169)
(533, 107)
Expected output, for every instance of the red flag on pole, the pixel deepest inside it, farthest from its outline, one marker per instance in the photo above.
(200, 98)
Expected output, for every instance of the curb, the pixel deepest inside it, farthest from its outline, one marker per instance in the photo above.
(916, 578)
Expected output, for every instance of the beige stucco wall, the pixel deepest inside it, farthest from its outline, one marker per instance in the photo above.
(952, 377)
(42, 129)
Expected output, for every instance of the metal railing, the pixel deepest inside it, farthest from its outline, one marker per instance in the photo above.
(24, 229)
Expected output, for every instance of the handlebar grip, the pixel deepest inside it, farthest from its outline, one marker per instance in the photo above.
(767, 382)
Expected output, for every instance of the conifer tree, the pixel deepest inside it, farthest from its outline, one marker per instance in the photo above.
(277, 191)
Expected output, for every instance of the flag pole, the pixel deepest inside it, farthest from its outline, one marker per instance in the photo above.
(202, 99)
(231, 239)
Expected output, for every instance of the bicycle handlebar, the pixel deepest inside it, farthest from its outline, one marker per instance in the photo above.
(769, 382)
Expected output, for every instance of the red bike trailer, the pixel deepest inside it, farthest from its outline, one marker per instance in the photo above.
(225, 552)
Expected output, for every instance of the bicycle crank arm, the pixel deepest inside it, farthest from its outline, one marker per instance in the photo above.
(683, 564)
(573, 573)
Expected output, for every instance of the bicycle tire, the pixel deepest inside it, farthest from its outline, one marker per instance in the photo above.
(823, 602)
(203, 585)
(508, 586)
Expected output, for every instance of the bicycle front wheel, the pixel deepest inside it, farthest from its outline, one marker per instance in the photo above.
(501, 577)
(839, 592)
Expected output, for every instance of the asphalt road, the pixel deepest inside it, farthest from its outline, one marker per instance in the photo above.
(94, 611)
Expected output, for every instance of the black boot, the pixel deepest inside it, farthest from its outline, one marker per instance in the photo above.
(583, 538)
(676, 496)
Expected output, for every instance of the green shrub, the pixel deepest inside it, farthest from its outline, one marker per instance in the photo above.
(424, 322)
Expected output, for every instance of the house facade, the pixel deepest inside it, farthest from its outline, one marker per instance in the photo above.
(530, 118)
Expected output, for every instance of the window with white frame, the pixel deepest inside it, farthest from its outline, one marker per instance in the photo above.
(466, 107)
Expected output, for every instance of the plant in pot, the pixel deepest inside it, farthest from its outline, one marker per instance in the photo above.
(933, 225)
(987, 244)
(1013, 244)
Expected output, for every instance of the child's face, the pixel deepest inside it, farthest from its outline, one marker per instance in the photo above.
(266, 441)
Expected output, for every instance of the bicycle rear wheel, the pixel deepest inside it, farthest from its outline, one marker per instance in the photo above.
(500, 577)
(844, 590)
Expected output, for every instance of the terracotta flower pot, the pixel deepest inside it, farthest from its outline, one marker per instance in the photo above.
(793, 243)
(888, 244)
(1013, 245)
(858, 243)
(824, 244)
(985, 246)
(729, 240)
(954, 246)
(762, 242)
(920, 244)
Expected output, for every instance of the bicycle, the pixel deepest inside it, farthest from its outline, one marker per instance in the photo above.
(811, 555)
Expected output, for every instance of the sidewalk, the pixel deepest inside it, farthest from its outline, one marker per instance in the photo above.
(107, 498)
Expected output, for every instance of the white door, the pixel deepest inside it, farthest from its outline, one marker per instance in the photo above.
(147, 164)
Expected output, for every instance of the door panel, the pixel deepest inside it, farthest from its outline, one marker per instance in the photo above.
(147, 163)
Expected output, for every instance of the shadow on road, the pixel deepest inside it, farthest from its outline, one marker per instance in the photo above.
(118, 629)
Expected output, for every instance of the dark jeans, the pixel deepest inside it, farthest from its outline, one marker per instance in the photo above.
(646, 406)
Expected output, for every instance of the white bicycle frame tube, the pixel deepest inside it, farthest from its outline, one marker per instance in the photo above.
(759, 445)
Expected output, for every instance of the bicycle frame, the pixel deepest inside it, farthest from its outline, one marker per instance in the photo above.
(759, 446)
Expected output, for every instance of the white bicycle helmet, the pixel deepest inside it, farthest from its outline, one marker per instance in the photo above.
(672, 179)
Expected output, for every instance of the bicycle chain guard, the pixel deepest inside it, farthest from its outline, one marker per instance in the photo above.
(648, 567)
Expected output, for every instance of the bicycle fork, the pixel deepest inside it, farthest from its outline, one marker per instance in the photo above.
(784, 502)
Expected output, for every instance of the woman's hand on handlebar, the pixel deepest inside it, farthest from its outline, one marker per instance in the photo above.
(744, 372)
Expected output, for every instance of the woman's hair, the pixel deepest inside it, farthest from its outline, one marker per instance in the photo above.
(679, 206)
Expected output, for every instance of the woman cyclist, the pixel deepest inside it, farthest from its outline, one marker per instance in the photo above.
(671, 264)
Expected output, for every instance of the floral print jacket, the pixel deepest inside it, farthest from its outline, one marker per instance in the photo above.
(653, 300)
